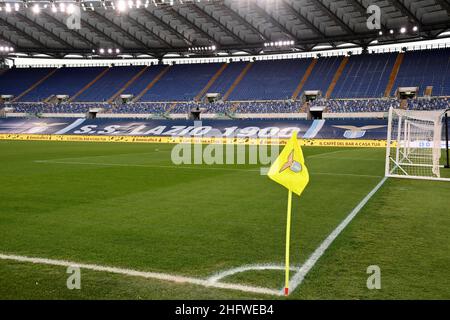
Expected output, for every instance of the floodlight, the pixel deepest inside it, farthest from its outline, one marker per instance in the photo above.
(36, 9)
(121, 6)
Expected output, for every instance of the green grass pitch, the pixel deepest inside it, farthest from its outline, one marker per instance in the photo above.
(128, 206)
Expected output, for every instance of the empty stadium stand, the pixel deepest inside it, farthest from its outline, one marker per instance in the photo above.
(254, 107)
(322, 74)
(140, 108)
(268, 107)
(226, 79)
(365, 76)
(146, 81)
(181, 82)
(429, 104)
(424, 68)
(65, 81)
(105, 87)
(359, 105)
(380, 105)
(267, 86)
(271, 80)
(16, 80)
(38, 108)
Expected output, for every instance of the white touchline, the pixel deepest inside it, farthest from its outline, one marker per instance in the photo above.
(143, 274)
(320, 155)
(351, 159)
(297, 279)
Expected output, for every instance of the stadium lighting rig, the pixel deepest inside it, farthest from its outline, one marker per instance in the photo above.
(402, 30)
(5, 50)
(107, 51)
(203, 49)
(278, 44)
(54, 6)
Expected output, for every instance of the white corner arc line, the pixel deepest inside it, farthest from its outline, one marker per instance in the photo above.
(223, 274)
(143, 274)
(297, 279)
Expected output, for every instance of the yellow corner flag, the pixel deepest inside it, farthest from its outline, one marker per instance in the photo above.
(289, 168)
(290, 171)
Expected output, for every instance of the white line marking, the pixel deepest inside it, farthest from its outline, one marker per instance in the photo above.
(223, 274)
(190, 168)
(143, 165)
(297, 279)
(142, 274)
(352, 159)
(319, 155)
(345, 174)
(105, 156)
(325, 155)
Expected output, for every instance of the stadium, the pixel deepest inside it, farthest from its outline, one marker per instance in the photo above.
(142, 142)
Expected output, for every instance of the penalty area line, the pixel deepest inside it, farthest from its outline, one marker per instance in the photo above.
(144, 274)
(298, 278)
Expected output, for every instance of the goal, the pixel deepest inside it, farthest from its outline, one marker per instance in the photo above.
(414, 143)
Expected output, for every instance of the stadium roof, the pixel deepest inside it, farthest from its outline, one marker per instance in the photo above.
(205, 27)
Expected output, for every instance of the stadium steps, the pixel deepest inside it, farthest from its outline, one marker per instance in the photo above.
(304, 79)
(234, 107)
(404, 104)
(394, 73)
(49, 98)
(152, 83)
(304, 107)
(211, 82)
(336, 77)
(35, 85)
(171, 107)
(101, 74)
(129, 83)
(236, 82)
(428, 91)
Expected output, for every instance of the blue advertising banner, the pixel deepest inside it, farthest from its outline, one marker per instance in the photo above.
(368, 129)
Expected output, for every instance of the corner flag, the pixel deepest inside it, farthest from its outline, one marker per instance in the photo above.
(290, 171)
(289, 168)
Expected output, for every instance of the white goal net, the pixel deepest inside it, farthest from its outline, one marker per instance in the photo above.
(414, 144)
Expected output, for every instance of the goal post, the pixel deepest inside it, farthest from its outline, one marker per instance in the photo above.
(414, 144)
(447, 156)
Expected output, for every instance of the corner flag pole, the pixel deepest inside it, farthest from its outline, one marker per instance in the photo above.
(288, 240)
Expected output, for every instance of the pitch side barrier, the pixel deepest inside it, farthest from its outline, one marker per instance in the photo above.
(325, 133)
(249, 141)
